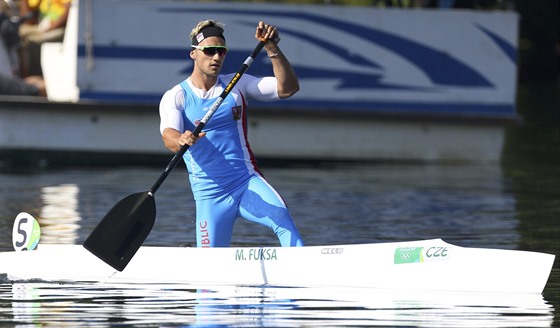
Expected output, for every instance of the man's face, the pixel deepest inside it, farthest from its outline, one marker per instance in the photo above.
(209, 56)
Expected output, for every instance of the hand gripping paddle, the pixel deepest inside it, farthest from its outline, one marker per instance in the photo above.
(121, 232)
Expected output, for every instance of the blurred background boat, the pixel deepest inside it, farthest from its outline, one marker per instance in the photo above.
(372, 88)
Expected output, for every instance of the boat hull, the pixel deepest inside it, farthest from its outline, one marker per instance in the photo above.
(415, 265)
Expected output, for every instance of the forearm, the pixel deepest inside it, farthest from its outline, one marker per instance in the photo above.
(288, 83)
(171, 139)
(174, 140)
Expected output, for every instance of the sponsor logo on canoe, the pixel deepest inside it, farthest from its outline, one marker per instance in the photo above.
(420, 254)
(332, 250)
(256, 254)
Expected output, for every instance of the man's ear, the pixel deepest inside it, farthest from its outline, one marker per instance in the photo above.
(192, 54)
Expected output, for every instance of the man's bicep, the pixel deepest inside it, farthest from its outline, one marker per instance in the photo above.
(262, 89)
(170, 114)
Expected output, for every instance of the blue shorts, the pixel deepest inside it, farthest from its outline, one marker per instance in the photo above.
(256, 201)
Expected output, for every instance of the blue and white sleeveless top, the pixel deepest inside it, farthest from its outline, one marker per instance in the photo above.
(222, 160)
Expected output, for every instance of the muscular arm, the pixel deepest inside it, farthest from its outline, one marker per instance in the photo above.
(171, 139)
(171, 121)
(288, 83)
(174, 140)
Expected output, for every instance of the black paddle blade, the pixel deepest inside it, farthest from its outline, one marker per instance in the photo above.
(122, 231)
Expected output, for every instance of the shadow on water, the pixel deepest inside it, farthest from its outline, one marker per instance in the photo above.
(532, 163)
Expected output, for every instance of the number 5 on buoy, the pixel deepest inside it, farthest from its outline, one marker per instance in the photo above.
(26, 232)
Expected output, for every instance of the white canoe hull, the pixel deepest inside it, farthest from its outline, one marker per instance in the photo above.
(415, 265)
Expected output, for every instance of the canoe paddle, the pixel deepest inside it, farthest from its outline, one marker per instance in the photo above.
(122, 231)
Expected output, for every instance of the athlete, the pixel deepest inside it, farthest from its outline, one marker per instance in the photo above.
(224, 178)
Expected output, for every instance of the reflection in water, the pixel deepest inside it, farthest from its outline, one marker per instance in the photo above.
(59, 215)
(163, 304)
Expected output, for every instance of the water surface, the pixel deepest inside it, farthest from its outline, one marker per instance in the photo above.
(467, 205)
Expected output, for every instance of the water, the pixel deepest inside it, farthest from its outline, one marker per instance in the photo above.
(471, 205)
(512, 205)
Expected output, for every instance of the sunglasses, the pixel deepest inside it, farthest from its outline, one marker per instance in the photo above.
(212, 50)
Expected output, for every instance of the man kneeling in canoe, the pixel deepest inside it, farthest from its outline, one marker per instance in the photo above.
(224, 177)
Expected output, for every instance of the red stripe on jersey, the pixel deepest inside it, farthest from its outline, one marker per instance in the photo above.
(245, 135)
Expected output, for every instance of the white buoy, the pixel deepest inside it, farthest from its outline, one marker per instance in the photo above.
(26, 232)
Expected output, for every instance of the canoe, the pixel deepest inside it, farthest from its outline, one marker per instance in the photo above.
(432, 264)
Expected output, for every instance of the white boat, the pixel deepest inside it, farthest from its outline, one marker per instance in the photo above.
(413, 265)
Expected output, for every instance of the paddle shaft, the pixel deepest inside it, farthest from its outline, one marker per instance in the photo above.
(175, 160)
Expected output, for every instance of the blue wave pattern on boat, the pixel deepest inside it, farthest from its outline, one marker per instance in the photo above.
(507, 48)
(441, 68)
